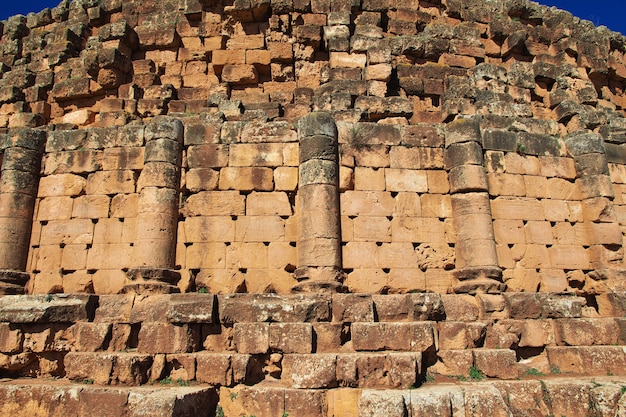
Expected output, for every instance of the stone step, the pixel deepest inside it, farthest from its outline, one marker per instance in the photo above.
(385, 369)
(62, 398)
(544, 397)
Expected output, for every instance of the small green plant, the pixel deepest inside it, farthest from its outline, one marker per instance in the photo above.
(520, 149)
(182, 383)
(555, 370)
(87, 381)
(203, 290)
(285, 414)
(233, 396)
(533, 372)
(219, 411)
(461, 378)
(166, 381)
(623, 389)
(476, 374)
(430, 378)
(49, 298)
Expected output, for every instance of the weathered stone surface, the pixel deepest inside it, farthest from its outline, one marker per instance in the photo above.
(47, 308)
(273, 308)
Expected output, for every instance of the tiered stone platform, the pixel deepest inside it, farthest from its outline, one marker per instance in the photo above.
(517, 354)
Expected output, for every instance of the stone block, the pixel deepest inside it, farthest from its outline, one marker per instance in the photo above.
(268, 204)
(111, 182)
(259, 229)
(352, 308)
(467, 178)
(11, 338)
(372, 203)
(415, 337)
(91, 207)
(586, 332)
(90, 337)
(157, 337)
(291, 337)
(214, 203)
(123, 158)
(274, 308)
(406, 180)
(496, 363)
(310, 371)
(61, 185)
(246, 179)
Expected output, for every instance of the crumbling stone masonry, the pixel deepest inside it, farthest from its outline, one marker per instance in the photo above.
(314, 207)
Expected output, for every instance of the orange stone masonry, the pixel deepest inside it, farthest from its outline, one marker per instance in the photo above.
(314, 208)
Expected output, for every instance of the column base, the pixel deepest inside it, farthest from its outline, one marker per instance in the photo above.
(151, 281)
(319, 280)
(13, 282)
(473, 280)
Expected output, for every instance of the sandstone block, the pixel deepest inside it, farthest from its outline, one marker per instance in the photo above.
(416, 337)
(310, 371)
(467, 178)
(268, 204)
(166, 338)
(291, 337)
(274, 308)
(111, 182)
(406, 180)
(61, 185)
(213, 203)
(246, 178)
(496, 363)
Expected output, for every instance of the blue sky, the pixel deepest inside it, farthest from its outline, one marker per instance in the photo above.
(610, 13)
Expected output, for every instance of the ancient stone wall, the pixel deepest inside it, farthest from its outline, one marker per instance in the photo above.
(478, 147)
(457, 167)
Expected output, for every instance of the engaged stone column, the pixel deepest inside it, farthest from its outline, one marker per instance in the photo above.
(476, 258)
(154, 252)
(319, 242)
(603, 231)
(19, 180)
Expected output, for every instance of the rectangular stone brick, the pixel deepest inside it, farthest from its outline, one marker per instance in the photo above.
(209, 229)
(157, 337)
(310, 371)
(415, 337)
(372, 229)
(246, 178)
(513, 208)
(569, 257)
(67, 232)
(54, 208)
(123, 158)
(268, 204)
(247, 255)
(369, 179)
(74, 257)
(372, 203)
(111, 182)
(397, 255)
(206, 255)
(61, 185)
(91, 207)
(221, 368)
(76, 162)
(259, 229)
(291, 337)
(207, 156)
(252, 338)
(215, 203)
(496, 363)
(109, 256)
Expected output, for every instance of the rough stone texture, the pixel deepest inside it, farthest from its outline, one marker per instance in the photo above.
(456, 166)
